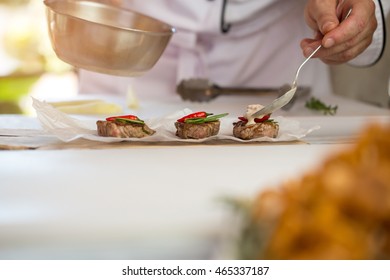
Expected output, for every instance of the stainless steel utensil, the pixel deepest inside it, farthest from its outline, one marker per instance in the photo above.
(104, 38)
(285, 98)
(202, 90)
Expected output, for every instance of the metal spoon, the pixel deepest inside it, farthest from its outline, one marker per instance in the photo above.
(285, 98)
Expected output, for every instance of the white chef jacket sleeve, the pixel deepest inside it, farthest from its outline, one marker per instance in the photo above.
(374, 52)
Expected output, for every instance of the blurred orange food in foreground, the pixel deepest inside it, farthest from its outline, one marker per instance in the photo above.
(339, 211)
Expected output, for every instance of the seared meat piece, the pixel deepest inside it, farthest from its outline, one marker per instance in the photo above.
(197, 131)
(269, 129)
(123, 130)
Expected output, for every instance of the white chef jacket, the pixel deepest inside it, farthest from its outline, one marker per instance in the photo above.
(260, 49)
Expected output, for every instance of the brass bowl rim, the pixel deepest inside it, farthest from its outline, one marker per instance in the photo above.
(169, 32)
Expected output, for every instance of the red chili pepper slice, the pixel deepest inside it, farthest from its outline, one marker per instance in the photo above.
(201, 114)
(257, 120)
(263, 119)
(129, 117)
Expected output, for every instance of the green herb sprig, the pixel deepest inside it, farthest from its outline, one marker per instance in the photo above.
(317, 105)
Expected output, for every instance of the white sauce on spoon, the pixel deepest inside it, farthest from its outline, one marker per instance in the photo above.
(250, 110)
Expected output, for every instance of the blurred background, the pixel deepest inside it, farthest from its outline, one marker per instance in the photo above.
(28, 65)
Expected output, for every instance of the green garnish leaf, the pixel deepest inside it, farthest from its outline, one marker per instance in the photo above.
(317, 105)
(122, 120)
(270, 121)
(209, 118)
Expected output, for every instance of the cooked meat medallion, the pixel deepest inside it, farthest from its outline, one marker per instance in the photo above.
(257, 130)
(198, 125)
(250, 127)
(123, 130)
(197, 131)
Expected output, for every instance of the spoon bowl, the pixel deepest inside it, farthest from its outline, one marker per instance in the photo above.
(276, 104)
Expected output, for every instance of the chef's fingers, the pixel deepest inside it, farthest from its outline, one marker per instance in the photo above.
(361, 20)
(346, 50)
(320, 15)
(349, 38)
(339, 54)
(343, 52)
(345, 56)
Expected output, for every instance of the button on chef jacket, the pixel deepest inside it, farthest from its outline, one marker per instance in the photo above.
(261, 47)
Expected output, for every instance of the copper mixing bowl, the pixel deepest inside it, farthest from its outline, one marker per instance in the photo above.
(104, 38)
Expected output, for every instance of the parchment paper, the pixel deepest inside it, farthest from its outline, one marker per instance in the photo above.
(68, 128)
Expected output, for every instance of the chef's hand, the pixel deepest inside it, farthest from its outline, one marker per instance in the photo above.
(341, 41)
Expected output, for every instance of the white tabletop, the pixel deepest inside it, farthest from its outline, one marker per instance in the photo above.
(152, 201)
(136, 202)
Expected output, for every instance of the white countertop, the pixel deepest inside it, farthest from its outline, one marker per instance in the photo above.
(152, 201)
(133, 203)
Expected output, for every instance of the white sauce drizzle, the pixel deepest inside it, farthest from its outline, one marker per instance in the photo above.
(250, 110)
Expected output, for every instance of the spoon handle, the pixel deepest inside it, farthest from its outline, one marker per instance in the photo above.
(294, 83)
